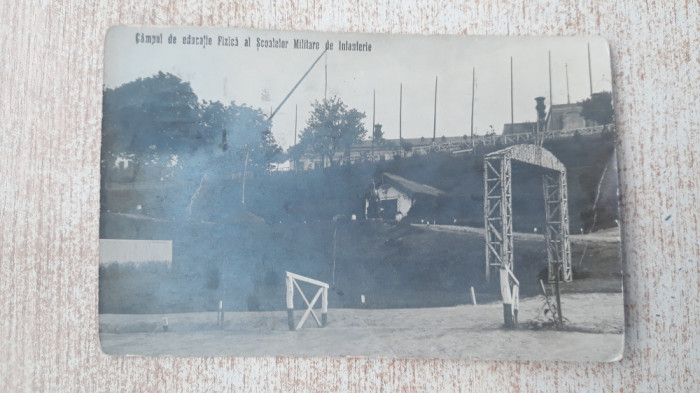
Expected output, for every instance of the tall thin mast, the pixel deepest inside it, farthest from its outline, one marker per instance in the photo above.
(590, 75)
(325, 86)
(296, 109)
(568, 100)
(512, 117)
(550, 79)
(551, 103)
(269, 119)
(400, 112)
(435, 110)
(374, 108)
(473, 88)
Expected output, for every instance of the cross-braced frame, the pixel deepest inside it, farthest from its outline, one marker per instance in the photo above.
(322, 292)
(557, 226)
(498, 218)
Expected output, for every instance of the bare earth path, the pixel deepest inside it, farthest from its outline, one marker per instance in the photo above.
(611, 235)
(595, 322)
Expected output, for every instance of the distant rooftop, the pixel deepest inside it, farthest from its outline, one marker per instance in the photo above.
(425, 141)
(411, 186)
(519, 128)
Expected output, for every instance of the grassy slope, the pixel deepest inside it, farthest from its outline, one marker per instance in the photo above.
(224, 250)
(392, 265)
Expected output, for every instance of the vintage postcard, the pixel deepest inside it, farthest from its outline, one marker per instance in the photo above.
(270, 193)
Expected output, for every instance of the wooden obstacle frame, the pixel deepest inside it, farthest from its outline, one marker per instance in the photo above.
(498, 219)
(292, 283)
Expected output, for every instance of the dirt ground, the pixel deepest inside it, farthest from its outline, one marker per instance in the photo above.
(594, 332)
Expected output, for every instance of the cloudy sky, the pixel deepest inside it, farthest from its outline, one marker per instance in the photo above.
(262, 77)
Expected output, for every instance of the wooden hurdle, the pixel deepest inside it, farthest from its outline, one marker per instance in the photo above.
(322, 292)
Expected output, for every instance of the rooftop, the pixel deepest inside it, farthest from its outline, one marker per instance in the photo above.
(411, 186)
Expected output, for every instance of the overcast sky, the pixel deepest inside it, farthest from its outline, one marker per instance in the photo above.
(263, 77)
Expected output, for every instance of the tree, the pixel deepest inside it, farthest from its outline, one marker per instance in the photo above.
(598, 108)
(161, 110)
(266, 151)
(296, 152)
(332, 127)
(250, 134)
(159, 120)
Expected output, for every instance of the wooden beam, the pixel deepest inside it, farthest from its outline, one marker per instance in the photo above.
(306, 279)
(310, 310)
(308, 305)
(290, 302)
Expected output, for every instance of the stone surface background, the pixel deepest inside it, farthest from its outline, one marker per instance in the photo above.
(50, 111)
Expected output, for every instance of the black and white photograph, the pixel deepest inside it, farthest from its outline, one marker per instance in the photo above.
(292, 193)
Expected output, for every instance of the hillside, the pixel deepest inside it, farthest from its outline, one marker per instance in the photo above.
(193, 192)
(224, 249)
(392, 265)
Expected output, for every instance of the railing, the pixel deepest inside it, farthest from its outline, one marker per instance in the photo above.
(322, 292)
(483, 140)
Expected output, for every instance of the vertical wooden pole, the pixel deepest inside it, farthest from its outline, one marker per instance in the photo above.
(550, 79)
(400, 116)
(374, 107)
(590, 74)
(325, 86)
(558, 297)
(512, 116)
(546, 298)
(516, 303)
(296, 110)
(566, 67)
(435, 110)
(473, 296)
(245, 173)
(324, 307)
(220, 314)
(507, 298)
(473, 88)
(290, 303)
(334, 242)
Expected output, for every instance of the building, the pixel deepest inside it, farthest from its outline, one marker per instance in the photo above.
(136, 252)
(394, 196)
(519, 128)
(565, 117)
(561, 117)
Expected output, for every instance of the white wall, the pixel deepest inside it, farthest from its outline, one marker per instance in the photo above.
(403, 203)
(136, 251)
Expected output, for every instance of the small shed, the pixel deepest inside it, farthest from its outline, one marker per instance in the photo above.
(394, 196)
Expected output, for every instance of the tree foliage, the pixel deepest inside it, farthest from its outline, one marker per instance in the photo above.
(598, 108)
(331, 127)
(160, 121)
(158, 110)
